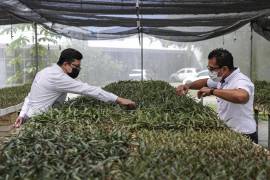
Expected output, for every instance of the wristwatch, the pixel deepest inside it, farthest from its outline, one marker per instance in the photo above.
(212, 91)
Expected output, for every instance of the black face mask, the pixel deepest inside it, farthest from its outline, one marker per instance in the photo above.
(74, 73)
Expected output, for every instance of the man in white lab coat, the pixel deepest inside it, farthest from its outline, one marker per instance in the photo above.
(51, 85)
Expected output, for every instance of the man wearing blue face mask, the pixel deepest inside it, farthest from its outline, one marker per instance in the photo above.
(52, 84)
(234, 92)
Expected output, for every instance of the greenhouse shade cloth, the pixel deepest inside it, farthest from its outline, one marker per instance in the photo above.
(175, 20)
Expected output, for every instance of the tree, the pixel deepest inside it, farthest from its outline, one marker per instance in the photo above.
(21, 51)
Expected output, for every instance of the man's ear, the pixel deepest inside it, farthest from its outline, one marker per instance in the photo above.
(225, 69)
(65, 63)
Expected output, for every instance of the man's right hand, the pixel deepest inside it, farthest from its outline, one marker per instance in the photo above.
(126, 102)
(182, 90)
(18, 122)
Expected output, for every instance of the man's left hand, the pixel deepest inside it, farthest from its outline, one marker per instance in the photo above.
(205, 91)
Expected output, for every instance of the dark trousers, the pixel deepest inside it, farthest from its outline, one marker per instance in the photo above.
(253, 137)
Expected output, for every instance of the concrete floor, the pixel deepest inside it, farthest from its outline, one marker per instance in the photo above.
(263, 133)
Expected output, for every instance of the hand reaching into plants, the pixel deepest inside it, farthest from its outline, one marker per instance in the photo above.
(126, 102)
(182, 90)
(18, 122)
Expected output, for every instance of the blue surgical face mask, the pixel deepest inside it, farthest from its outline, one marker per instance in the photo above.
(214, 76)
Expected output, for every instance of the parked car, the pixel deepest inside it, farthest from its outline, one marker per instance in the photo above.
(182, 74)
(201, 75)
(136, 74)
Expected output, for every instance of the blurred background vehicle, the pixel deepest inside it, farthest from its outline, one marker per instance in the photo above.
(136, 74)
(182, 74)
(200, 75)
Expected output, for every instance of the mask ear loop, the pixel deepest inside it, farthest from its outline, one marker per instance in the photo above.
(223, 79)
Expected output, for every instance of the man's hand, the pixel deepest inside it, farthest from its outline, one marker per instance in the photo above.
(18, 122)
(182, 90)
(126, 102)
(205, 91)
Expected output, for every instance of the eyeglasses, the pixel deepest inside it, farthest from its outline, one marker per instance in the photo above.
(76, 66)
(212, 68)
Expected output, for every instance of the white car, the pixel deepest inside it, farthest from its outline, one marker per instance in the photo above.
(182, 74)
(200, 75)
(136, 74)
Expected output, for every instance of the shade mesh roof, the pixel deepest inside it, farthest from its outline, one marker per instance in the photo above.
(175, 20)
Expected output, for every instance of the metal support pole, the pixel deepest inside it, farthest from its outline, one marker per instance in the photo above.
(142, 55)
(251, 55)
(24, 64)
(36, 47)
(140, 33)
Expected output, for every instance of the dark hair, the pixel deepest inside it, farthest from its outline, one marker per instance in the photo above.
(223, 57)
(69, 55)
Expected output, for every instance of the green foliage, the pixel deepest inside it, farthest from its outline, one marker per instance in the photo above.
(20, 42)
(61, 152)
(13, 95)
(262, 95)
(166, 137)
(196, 155)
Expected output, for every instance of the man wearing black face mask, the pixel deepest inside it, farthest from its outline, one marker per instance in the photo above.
(51, 85)
(75, 72)
(234, 92)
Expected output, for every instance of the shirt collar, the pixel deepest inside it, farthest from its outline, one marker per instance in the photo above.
(234, 73)
(58, 68)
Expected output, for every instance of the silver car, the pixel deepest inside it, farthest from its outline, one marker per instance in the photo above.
(136, 74)
(201, 75)
(182, 74)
